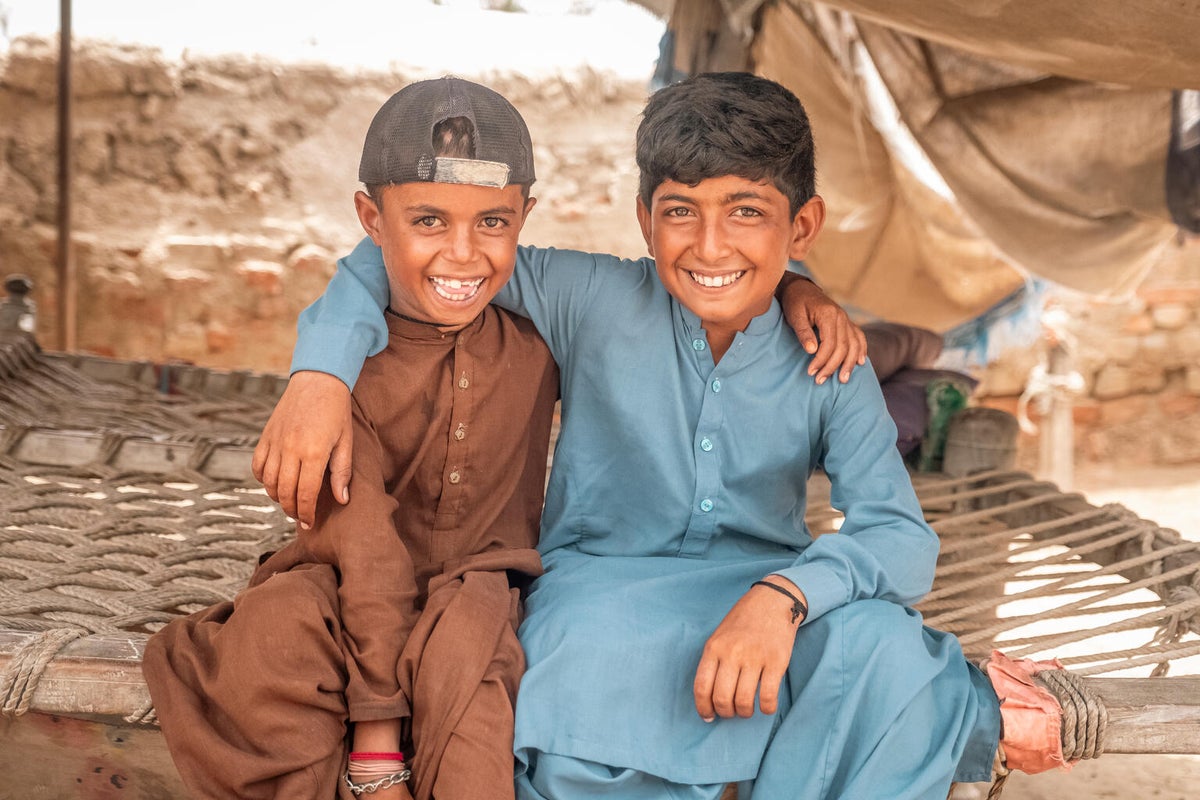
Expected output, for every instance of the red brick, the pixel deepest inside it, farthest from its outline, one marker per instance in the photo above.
(1178, 405)
(1086, 413)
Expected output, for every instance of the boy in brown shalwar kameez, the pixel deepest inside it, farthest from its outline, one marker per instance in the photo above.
(396, 611)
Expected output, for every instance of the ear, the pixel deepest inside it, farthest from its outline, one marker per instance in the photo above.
(369, 215)
(647, 224)
(805, 226)
(529, 204)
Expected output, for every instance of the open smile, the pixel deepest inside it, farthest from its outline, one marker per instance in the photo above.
(717, 281)
(456, 290)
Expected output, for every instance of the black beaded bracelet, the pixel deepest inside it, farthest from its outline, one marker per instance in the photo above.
(798, 607)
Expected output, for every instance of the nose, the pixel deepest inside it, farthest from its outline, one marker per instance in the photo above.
(461, 247)
(712, 242)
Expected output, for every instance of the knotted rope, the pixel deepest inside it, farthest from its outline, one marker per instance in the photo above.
(20, 679)
(1084, 717)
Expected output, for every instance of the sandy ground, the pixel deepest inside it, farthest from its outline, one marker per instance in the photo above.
(1169, 496)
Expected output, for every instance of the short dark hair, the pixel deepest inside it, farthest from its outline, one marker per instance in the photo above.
(726, 123)
(453, 137)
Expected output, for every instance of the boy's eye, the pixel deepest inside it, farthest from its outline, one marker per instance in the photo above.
(494, 222)
(678, 211)
(746, 211)
(427, 221)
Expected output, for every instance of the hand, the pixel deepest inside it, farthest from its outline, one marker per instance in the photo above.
(748, 653)
(842, 344)
(309, 429)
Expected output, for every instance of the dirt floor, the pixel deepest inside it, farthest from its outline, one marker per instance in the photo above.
(1169, 496)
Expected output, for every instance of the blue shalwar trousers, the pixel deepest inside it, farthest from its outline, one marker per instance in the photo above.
(874, 705)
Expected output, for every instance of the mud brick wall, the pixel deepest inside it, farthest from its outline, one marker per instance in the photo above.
(1139, 359)
(212, 196)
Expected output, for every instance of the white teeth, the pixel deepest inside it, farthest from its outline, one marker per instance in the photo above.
(452, 288)
(716, 280)
(455, 283)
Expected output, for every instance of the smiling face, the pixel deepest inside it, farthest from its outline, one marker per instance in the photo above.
(722, 245)
(448, 248)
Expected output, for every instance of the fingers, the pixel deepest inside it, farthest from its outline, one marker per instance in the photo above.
(744, 693)
(768, 692)
(341, 467)
(829, 358)
(808, 339)
(289, 476)
(726, 690)
(843, 346)
(702, 687)
(856, 353)
(270, 473)
(259, 460)
(307, 488)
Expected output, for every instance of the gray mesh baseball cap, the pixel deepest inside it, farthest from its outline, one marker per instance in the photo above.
(399, 145)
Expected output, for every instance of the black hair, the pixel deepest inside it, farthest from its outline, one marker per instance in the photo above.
(726, 123)
(453, 137)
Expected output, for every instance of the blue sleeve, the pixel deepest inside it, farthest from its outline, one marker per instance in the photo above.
(345, 325)
(557, 289)
(884, 549)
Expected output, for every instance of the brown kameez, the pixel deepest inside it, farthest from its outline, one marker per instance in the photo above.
(403, 603)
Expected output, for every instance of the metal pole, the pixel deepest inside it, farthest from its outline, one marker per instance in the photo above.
(66, 254)
(1058, 422)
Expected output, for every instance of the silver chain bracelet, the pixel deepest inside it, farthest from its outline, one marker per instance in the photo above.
(385, 782)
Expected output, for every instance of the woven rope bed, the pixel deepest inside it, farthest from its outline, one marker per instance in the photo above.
(126, 499)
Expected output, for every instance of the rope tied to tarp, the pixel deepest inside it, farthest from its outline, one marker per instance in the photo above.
(24, 672)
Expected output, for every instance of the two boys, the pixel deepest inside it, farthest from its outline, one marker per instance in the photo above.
(397, 611)
(681, 587)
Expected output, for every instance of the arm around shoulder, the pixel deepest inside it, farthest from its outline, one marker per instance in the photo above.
(309, 430)
(811, 313)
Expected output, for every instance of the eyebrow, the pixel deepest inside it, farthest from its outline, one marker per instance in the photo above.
(435, 210)
(729, 198)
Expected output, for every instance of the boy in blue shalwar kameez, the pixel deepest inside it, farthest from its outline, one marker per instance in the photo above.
(659, 664)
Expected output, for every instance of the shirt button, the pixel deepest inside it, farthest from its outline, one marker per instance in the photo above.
(706, 505)
(698, 344)
(455, 477)
(716, 385)
(706, 444)
(463, 382)
(461, 432)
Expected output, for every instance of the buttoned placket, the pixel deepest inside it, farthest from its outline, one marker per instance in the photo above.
(707, 494)
(455, 476)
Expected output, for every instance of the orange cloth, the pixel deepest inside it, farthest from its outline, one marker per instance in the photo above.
(1031, 716)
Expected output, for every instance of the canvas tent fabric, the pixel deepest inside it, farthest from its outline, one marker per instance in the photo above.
(1149, 44)
(965, 146)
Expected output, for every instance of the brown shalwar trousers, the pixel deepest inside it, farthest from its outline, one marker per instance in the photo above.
(250, 693)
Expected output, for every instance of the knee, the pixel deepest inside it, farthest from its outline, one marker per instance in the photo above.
(880, 628)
